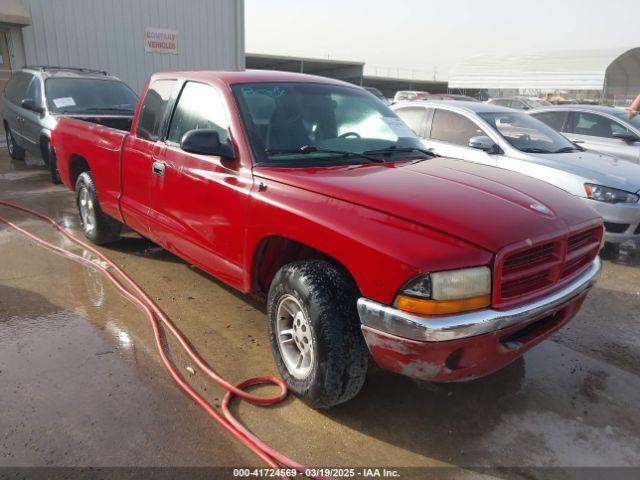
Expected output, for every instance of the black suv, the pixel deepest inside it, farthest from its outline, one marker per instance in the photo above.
(35, 97)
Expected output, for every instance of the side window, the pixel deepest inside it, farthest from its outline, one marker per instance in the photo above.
(553, 119)
(595, 125)
(199, 108)
(153, 109)
(414, 117)
(34, 91)
(453, 128)
(17, 88)
(518, 104)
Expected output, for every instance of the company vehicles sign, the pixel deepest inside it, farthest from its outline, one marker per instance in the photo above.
(159, 40)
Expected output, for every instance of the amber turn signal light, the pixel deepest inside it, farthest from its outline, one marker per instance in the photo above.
(427, 307)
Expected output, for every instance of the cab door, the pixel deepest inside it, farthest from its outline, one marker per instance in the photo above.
(13, 95)
(142, 153)
(199, 203)
(31, 120)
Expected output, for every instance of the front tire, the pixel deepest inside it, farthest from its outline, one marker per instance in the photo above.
(15, 151)
(315, 334)
(96, 226)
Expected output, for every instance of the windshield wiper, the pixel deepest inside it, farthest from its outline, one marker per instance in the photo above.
(569, 149)
(106, 109)
(313, 149)
(535, 150)
(394, 149)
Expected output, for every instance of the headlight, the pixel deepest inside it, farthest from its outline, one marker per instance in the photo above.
(609, 195)
(446, 292)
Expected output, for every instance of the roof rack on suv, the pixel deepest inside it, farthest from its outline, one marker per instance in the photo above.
(75, 69)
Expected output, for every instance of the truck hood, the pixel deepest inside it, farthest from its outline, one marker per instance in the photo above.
(593, 167)
(486, 206)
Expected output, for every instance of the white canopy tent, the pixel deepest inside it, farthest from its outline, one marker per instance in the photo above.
(605, 72)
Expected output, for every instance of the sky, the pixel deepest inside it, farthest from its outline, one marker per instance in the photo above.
(412, 38)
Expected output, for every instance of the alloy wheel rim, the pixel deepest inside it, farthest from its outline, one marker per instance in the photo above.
(295, 342)
(87, 210)
(9, 141)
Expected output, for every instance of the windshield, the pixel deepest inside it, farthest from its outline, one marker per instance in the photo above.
(624, 115)
(81, 95)
(535, 103)
(526, 133)
(282, 118)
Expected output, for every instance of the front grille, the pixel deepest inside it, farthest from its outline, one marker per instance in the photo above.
(528, 272)
(616, 227)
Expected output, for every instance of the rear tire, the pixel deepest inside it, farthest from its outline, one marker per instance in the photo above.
(15, 151)
(96, 226)
(315, 334)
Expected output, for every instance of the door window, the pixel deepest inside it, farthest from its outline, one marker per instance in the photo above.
(596, 125)
(34, 91)
(17, 87)
(453, 128)
(553, 119)
(414, 117)
(517, 104)
(153, 109)
(199, 108)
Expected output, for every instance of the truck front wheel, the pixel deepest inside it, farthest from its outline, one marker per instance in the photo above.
(315, 334)
(96, 226)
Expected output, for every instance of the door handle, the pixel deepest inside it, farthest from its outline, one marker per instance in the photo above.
(157, 168)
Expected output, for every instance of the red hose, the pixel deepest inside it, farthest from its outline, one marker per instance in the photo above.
(136, 294)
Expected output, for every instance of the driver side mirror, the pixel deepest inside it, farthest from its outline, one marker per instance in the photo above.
(206, 142)
(30, 104)
(626, 136)
(482, 142)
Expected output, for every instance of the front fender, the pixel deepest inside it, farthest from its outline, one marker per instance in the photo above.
(381, 251)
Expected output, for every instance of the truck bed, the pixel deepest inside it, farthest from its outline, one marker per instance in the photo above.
(119, 122)
(89, 139)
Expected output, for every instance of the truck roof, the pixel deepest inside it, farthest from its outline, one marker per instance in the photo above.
(247, 76)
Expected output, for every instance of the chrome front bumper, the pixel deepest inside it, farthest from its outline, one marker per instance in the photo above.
(451, 327)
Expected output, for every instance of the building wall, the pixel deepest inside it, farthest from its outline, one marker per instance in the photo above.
(109, 35)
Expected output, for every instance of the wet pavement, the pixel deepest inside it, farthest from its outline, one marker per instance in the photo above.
(81, 383)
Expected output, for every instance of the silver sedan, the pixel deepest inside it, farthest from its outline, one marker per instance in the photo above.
(513, 140)
(603, 129)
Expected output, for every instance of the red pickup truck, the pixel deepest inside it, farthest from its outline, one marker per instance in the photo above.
(313, 195)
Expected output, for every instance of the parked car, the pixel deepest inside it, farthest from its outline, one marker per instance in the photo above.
(512, 140)
(378, 94)
(603, 129)
(405, 95)
(519, 103)
(310, 193)
(447, 96)
(35, 97)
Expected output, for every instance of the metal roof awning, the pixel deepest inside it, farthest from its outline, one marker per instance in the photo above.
(556, 70)
(13, 12)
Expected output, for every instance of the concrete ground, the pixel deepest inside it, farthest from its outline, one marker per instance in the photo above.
(81, 383)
